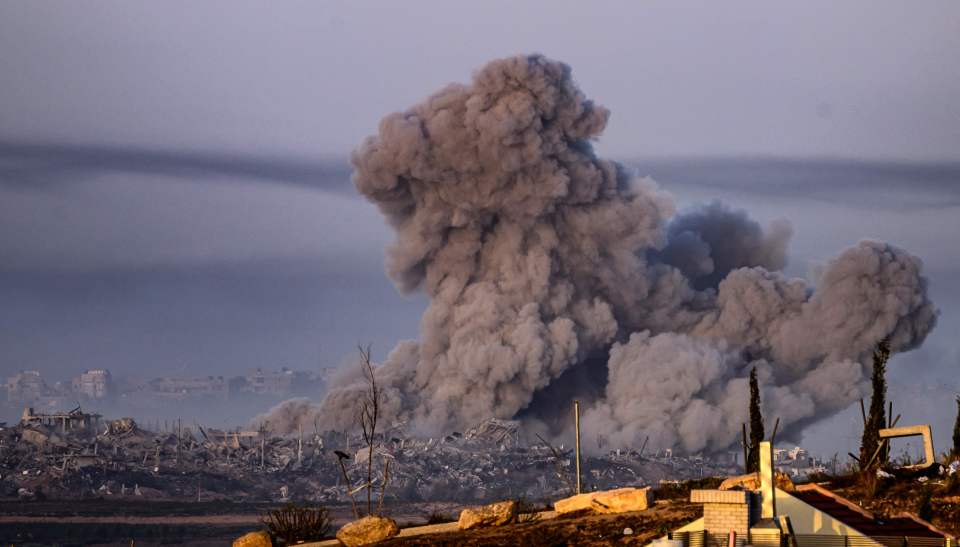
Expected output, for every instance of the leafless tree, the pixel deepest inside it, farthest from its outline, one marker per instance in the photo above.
(369, 416)
(558, 459)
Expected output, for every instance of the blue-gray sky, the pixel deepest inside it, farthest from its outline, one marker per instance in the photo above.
(174, 195)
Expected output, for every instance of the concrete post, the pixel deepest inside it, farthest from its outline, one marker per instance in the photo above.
(576, 420)
(768, 507)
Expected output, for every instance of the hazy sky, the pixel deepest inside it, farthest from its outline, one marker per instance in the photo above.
(173, 197)
(856, 78)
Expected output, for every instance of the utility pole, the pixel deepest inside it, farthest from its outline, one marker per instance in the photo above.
(576, 421)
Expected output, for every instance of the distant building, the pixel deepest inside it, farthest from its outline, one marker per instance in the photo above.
(94, 383)
(278, 382)
(283, 382)
(26, 386)
(187, 388)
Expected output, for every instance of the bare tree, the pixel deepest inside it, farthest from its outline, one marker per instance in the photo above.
(558, 459)
(369, 416)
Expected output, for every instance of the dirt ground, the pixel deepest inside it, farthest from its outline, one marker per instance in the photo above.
(893, 497)
(585, 530)
(109, 522)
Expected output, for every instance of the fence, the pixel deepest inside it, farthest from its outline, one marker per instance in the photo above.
(703, 539)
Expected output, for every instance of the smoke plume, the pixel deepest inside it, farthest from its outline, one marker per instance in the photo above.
(545, 263)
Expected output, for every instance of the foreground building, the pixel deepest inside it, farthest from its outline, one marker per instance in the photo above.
(806, 516)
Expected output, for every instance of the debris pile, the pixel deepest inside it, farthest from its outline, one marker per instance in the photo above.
(489, 462)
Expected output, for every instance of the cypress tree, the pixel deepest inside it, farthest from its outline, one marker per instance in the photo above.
(756, 425)
(956, 433)
(876, 419)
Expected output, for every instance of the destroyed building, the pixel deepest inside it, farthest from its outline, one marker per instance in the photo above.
(73, 420)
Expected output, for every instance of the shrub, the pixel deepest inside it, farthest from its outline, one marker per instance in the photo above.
(437, 517)
(292, 523)
(925, 507)
(527, 511)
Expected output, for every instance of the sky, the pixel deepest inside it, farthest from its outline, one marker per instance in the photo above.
(175, 195)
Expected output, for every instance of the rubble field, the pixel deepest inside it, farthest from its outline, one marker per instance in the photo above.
(118, 481)
(120, 461)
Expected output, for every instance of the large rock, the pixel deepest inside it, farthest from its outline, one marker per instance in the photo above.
(367, 531)
(253, 539)
(751, 481)
(579, 502)
(621, 500)
(495, 514)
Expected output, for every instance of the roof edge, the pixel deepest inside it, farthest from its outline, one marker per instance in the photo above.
(837, 498)
(916, 518)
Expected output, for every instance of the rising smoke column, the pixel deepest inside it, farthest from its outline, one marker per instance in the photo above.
(537, 256)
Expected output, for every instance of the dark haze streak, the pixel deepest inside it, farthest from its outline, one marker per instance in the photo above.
(40, 165)
(875, 184)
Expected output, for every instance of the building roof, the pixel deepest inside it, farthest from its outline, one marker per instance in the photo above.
(861, 520)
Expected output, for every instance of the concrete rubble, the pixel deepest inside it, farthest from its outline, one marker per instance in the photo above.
(490, 462)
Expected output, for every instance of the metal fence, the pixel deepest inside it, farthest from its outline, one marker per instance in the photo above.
(703, 539)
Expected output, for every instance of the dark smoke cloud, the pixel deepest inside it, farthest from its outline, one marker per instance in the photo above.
(537, 256)
(708, 243)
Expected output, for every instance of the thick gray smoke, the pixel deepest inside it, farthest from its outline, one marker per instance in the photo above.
(293, 416)
(538, 257)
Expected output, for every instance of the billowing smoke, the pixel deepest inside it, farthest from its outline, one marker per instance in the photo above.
(553, 272)
(289, 417)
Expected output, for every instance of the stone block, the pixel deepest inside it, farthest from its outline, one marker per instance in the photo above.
(623, 500)
(367, 531)
(495, 514)
(620, 500)
(253, 539)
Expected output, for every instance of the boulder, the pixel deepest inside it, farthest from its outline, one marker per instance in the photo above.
(495, 514)
(579, 502)
(367, 531)
(621, 500)
(253, 539)
(751, 481)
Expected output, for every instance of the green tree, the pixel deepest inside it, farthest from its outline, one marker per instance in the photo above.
(877, 418)
(756, 425)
